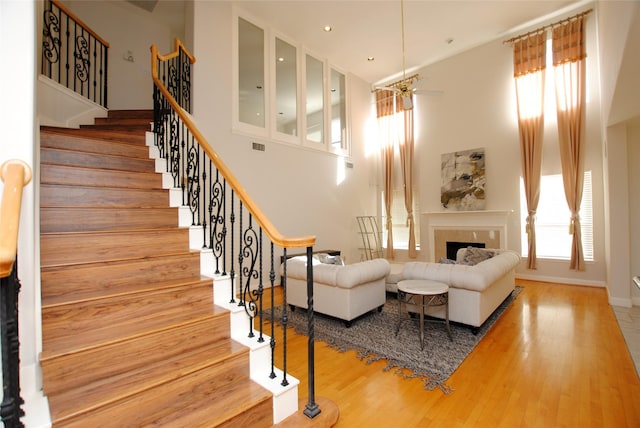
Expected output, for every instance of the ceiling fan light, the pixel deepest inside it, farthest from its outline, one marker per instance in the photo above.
(407, 103)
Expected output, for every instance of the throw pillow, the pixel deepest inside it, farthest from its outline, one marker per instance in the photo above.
(447, 261)
(475, 255)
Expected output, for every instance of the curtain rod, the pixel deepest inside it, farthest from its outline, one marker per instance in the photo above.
(409, 79)
(546, 27)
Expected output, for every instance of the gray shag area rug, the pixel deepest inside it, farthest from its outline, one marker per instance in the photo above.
(373, 337)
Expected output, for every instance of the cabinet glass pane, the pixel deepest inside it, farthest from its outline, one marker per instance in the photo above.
(251, 74)
(338, 110)
(286, 89)
(315, 102)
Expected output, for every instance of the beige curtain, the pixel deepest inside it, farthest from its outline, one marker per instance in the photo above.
(528, 67)
(406, 160)
(384, 109)
(569, 70)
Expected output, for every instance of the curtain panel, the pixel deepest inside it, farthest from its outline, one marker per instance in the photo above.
(569, 70)
(384, 112)
(406, 160)
(529, 56)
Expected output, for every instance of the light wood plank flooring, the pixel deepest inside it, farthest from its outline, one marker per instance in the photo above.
(556, 358)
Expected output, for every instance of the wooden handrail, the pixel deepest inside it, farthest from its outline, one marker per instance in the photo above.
(80, 22)
(276, 237)
(15, 174)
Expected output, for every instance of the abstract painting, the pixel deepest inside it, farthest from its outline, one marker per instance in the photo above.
(463, 180)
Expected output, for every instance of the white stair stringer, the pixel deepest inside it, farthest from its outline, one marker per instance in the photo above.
(285, 398)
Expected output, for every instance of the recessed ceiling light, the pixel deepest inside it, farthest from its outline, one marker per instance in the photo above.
(280, 59)
(327, 28)
(371, 58)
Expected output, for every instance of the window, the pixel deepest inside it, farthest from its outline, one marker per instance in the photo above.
(399, 219)
(553, 240)
(284, 93)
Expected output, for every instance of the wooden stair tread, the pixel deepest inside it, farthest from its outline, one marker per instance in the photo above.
(117, 387)
(54, 156)
(61, 284)
(84, 144)
(94, 322)
(135, 288)
(102, 196)
(82, 218)
(70, 248)
(197, 400)
(87, 176)
(121, 135)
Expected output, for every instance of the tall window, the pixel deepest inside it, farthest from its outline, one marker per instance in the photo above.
(553, 219)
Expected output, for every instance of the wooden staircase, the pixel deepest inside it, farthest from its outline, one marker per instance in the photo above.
(131, 335)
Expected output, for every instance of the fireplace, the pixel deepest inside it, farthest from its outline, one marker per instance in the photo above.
(454, 246)
(486, 229)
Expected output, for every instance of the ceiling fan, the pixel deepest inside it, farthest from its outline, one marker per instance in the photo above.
(405, 88)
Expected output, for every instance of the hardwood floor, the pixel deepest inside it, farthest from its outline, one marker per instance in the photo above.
(555, 358)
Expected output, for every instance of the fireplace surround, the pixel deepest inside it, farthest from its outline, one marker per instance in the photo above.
(488, 228)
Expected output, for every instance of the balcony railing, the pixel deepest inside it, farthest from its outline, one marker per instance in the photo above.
(73, 55)
(241, 238)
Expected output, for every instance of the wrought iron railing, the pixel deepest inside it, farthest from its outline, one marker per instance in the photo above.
(73, 55)
(241, 238)
(15, 175)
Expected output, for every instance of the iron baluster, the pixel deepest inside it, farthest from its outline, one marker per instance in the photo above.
(218, 227)
(272, 341)
(232, 219)
(193, 182)
(240, 257)
(311, 409)
(285, 320)
(250, 252)
(10, 408)
(260, 288)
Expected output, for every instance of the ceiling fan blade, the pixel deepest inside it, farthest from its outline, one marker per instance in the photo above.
(428, 92)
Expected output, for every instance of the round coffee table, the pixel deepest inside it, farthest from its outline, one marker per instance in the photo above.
(423, 293)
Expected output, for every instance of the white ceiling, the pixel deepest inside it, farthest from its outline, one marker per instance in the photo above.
(364, 28)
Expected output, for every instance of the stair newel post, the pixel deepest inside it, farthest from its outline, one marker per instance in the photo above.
(10, 409)
(232, 220)
(311, 409)
(285, 320)
(272, 340)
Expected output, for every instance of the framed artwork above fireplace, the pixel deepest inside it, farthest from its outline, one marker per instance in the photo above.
(463, 180)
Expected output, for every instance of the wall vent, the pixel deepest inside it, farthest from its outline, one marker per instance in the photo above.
(349, 164)
(258, 146)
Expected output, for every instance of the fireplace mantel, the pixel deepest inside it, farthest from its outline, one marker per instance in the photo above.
(480, 222)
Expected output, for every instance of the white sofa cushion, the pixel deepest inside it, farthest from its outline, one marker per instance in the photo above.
(477, 277)
(347, 276)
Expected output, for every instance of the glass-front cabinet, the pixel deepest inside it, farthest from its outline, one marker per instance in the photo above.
(286, 93)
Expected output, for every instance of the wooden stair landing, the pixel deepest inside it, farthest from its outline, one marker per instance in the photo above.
(131, 335)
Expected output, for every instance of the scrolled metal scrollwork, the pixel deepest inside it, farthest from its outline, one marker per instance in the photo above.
(83, 62)
(51, 37)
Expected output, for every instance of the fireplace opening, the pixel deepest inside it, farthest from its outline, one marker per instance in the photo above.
(454, 246)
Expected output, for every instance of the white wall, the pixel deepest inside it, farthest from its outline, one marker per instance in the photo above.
(478, 109)
(126, 28)
(297, 188)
